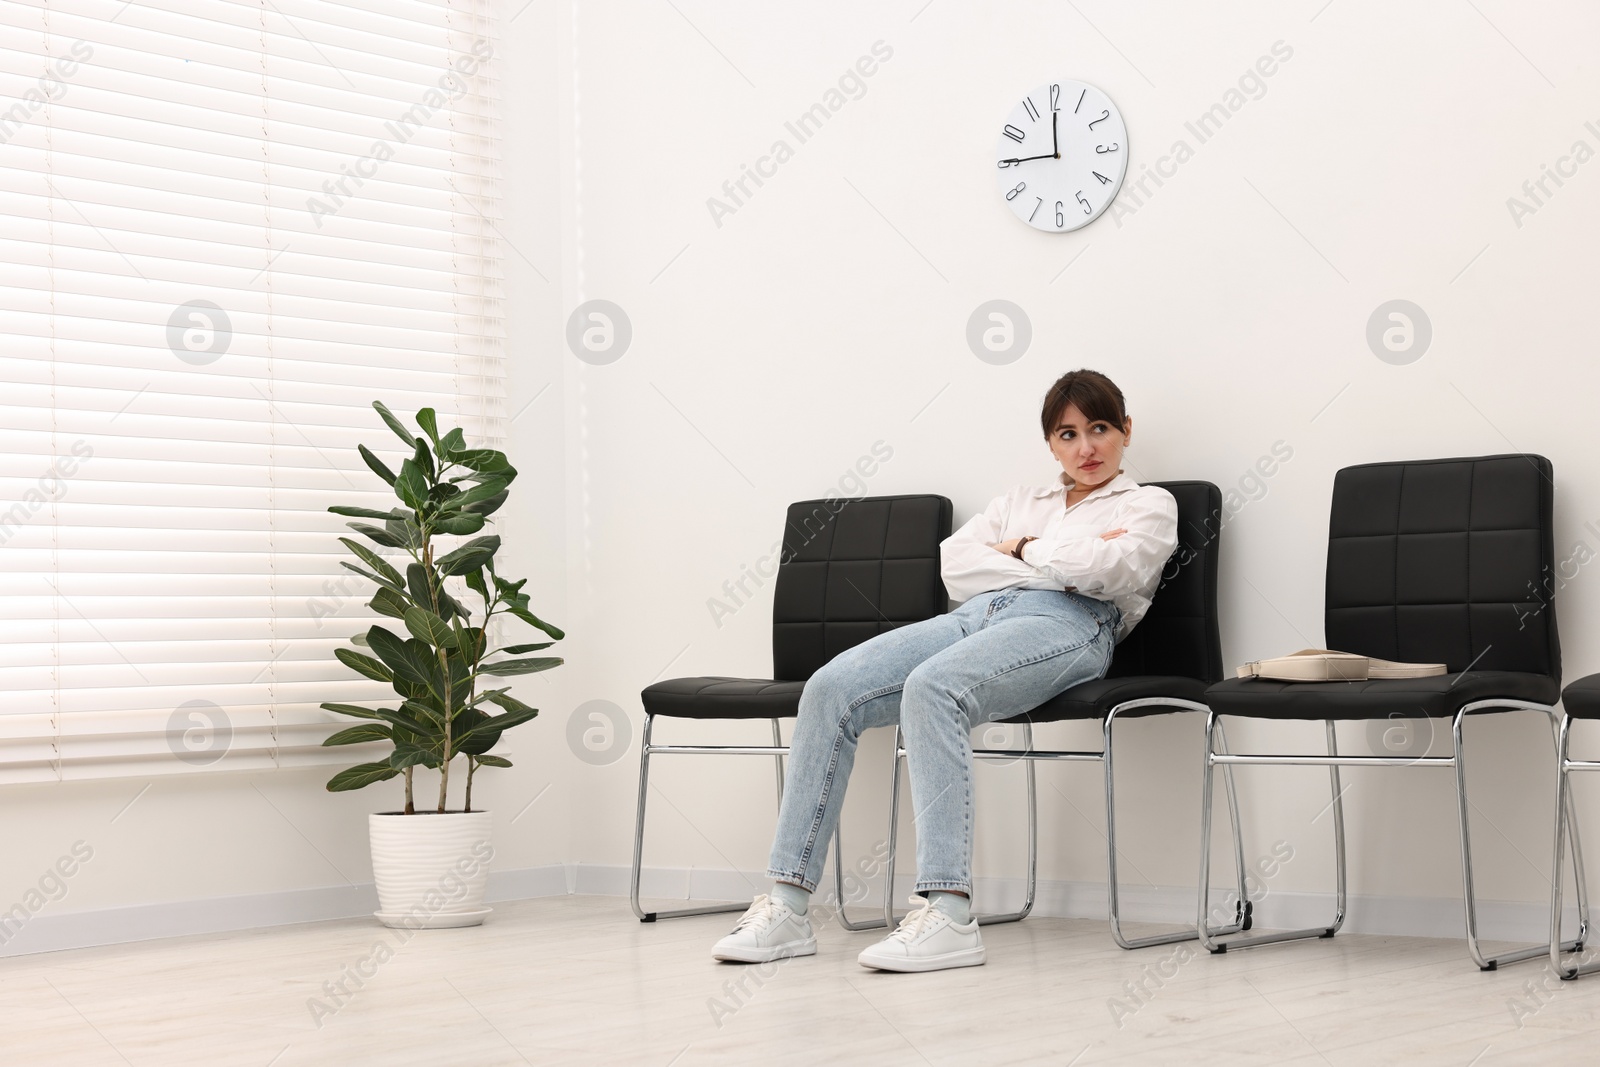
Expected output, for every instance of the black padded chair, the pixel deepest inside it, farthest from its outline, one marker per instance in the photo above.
(1580, 700)
(849, 570)
(1163, 666)
(1432, 561)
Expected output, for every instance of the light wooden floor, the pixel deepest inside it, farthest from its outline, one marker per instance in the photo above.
(579, 980)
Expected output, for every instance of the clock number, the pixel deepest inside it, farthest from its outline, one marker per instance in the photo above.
(1033, 112)
(1087, 210)
(1061, 220)
(1103, 179)
(1040, 200)
(1014, 133)
(1102, 149)
(1012, 195)
(1080, 101)
(1103, 116)
(1055, 97)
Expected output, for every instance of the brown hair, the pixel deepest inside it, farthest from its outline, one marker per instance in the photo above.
(1094, 394)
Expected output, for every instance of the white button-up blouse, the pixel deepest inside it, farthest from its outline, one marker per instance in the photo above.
(1069, 553)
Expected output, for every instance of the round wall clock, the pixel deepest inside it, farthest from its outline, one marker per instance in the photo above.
(1061, 156)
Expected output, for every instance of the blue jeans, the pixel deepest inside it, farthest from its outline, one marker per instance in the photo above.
(1000, 654)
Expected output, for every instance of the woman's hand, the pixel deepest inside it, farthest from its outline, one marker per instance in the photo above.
(1112, 535)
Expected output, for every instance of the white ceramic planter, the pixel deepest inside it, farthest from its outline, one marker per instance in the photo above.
(431, 869)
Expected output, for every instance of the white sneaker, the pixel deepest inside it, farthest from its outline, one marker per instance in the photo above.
(769, 930)
(926, 940)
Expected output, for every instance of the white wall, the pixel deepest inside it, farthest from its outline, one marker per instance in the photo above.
(771, 348)
(828, 313)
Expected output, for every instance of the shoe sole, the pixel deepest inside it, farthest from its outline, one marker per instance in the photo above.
(967, 957)
(766, 955)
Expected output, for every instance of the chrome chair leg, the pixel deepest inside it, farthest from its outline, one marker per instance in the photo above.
(1469, 896)
(1339, 866)
(777, 742)
(1033, 842)
(638, 845)
(838, 856)
(1567, 829)
(1242, 907)
(1207, 941)
(889, 917)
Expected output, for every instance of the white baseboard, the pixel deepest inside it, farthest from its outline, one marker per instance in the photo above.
(661, 886)
(1498, 920)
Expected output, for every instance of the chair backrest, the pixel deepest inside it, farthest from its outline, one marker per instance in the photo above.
(852, 569)
(1179, 635)
(1445, 561)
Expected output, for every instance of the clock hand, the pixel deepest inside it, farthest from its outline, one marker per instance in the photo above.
(1025, 159)
(1055, 142)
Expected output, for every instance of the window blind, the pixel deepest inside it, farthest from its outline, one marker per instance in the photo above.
(229, 226)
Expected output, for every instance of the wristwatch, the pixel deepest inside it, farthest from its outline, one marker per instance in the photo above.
(1021, 541)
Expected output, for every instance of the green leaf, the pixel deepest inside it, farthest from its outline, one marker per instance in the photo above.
(521, 666)
(489, 488)
(426, 626)
(493, 761)
(411, 661)
(382, 537)
(456, 608)
(359, 639)
(422, 716)
(357, 735)
(404, 532)
(470, 556)
(423, 458)
(486, 461)
(517, 650)
(494, 726)
(405, 756)
(363, 665)
(347, 565)
(361, 775)
(373, 560)
(378, 466)
(504, 698)
(395, 424)
(508, 589)
(359, 513)
(470, 641)
(468, 522)
(355, 710)
(532, 620)
(428, 420)
(411, 486)
(387, 601)
(476, 584)
(476, 745)
(417, 583)
(489, 506)
(452, 442)
(411, 730)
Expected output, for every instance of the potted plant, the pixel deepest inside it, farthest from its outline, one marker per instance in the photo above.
(431, 866)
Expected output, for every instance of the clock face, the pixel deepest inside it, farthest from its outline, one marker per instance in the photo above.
(1061, 156)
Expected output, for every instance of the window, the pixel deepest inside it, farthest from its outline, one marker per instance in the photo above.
(230, 225)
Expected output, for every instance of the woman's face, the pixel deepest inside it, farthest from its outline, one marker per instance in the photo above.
(1090, 453)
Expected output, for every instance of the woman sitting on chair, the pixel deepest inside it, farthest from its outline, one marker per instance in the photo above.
(1052, 577)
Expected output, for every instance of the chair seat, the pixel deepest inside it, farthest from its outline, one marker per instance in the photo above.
(723, 698)
(1582, 698)
(1094, 700)
(1415, 698)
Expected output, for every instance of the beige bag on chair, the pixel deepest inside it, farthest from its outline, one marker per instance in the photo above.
(1324, 665)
